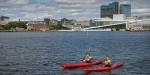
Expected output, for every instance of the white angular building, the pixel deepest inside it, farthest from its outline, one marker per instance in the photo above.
(4, 20)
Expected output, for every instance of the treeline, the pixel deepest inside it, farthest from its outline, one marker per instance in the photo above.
(13, 25)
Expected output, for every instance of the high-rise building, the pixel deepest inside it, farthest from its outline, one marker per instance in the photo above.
(105, 11)
(110, 9)
(114, 7)
(125, 9)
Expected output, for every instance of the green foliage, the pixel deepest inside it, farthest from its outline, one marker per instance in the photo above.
(17, 24)
(6, 27)
(14, 25)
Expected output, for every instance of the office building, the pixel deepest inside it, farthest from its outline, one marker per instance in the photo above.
(125, 9)
(110, 9)
(115, 8)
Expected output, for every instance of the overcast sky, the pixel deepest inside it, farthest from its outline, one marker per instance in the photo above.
(72, 9)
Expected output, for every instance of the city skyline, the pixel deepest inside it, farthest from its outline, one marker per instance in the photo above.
(57, 9)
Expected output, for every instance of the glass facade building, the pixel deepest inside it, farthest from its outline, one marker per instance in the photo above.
(109, 10)
(125, 9)
(115, 8)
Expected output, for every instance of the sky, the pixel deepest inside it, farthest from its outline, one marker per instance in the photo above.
(57, 9)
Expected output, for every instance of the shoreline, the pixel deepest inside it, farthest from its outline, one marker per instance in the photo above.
(78, 31)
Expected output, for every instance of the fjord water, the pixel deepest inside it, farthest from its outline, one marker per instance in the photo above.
(41, 53)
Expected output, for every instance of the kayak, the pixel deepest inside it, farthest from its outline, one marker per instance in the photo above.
(103, 68)
(80, 64)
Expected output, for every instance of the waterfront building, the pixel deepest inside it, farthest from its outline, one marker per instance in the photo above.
(110, 9)
(139, 23)
(92, 23)
(125, 9)
(53, 22)
(68, 23)
(83, 23)
(118, 17)
(140, 17)
(65, 21)
(4, 20)
(118, 23)
(97, 22)
(37, 26)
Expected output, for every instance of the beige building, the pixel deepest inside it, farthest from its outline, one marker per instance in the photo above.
(140, 25)
(82, 23)
(53, 22)
(4, 20)
(37, 26)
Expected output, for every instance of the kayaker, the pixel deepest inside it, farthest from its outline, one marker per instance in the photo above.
(87, 58)
(107, 62)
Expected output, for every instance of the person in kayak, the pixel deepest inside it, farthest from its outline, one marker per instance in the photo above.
(87, 58)
(107, 62)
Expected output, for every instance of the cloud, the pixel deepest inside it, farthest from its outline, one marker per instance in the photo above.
(18, 2)
(73, 9)
(75, 1)
(13, 3)
(141, 11)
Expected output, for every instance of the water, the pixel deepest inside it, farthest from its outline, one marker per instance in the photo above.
(38, 53)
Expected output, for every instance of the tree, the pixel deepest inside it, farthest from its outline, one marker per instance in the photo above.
(6, 27)
(17, 24)
(14, 25)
